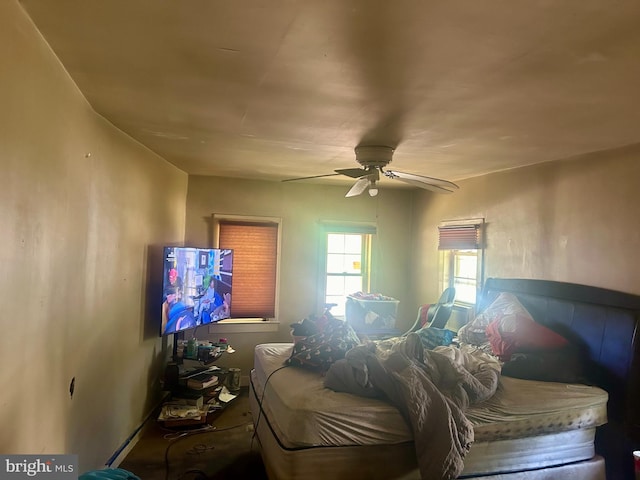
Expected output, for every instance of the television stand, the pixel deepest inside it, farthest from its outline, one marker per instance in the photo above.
(176, 337)
(203, 404)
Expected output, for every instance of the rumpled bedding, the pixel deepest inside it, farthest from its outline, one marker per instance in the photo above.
(431, 389)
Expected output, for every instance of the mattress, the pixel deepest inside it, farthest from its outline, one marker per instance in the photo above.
(302, 414)
(395, 462)
(312, 415)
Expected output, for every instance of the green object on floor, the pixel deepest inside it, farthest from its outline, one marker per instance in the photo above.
(109, 474)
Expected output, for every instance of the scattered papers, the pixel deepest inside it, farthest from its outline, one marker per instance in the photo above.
(199, 371)
(225, 395)
(172, 411)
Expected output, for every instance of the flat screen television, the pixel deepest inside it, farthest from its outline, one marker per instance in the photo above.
(196, 287)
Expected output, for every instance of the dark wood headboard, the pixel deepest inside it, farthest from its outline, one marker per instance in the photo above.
(604, 325)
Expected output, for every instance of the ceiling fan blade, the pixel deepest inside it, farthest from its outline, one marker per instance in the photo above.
(422, 178)
(422, 182)
(429, 183)
(353, 172)
(426, 186)
(314, 176)
(358, 187)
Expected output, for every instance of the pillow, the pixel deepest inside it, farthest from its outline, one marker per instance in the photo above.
(514, 330)
(312, 325)
(505, 304)
(561, 365)
(321, 350)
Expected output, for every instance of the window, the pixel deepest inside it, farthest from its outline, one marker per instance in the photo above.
(460, 272)
(347, 264)
(255, 245)
(461, 258)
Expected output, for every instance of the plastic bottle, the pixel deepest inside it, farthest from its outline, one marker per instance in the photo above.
(192, 348)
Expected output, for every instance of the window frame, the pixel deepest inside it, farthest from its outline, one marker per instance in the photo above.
(448, 271)
(449, 255)
(233, 325)
(368, 238)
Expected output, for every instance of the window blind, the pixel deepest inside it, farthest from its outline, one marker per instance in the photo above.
(255, 249)
(459, 237)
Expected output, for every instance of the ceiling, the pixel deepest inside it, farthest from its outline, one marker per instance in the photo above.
(276, 89)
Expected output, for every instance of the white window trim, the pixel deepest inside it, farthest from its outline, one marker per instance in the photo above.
(326, 227)
(242, 325)
(481, 266)
(462, 221)
(447, 255)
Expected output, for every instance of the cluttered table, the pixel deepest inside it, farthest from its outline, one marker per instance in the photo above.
(198, 390)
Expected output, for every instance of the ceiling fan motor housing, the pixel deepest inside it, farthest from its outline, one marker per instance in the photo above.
(374, 155)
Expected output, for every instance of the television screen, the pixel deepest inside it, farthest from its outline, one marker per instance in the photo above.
(196, 287)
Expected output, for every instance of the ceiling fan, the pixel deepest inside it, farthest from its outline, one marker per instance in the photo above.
(373, 159)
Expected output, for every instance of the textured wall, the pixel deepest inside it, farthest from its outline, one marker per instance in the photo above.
(82, 209)
(302, 206)
(574, 220)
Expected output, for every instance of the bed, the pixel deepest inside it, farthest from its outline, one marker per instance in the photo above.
(529, 429)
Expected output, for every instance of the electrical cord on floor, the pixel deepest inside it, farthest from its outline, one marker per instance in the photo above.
(197, 449)
(174, 435)
(264, 390)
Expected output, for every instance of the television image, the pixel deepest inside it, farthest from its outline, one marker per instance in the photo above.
(196, 287)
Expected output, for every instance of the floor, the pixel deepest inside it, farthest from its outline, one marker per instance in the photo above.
(227, 449)
(224, 450)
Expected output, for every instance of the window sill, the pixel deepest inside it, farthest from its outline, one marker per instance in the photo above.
(244, 325)
(463, 305)
(461, 314)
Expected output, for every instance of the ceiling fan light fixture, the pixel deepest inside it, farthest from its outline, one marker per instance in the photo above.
(374, 155)
(373, 188)
(374, 159)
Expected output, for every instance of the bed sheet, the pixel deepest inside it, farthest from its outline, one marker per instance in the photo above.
(304, 413)
(543, 457)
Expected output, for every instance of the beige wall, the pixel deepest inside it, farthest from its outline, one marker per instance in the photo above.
(80, 248)
(77, 235)
(302, 206)
(574, 221)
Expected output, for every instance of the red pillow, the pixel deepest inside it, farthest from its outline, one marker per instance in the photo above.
(520, 333)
